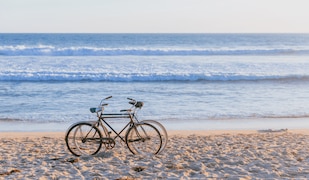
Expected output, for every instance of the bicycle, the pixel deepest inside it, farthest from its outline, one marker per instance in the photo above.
(141, 137)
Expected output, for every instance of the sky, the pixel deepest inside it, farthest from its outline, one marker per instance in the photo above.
(154, 16)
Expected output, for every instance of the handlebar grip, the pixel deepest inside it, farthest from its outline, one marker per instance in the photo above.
(131, 99)
(108, 97)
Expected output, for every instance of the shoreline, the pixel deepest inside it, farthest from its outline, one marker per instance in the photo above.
(180, 133)
(254, 124)
(235, 154)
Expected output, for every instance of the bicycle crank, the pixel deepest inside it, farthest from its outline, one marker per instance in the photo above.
(108, 142)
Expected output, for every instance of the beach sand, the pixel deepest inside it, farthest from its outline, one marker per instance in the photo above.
(266, 154)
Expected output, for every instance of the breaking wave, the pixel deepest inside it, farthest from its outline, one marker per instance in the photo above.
(140, 77)
(45, 50)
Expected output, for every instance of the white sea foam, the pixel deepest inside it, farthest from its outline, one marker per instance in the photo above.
(48, 50)
(140, 77)
(149, 69)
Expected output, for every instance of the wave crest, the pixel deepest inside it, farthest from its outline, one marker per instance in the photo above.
(45, 50)
(141, 77)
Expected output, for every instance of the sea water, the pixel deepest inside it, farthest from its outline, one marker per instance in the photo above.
(186, 81)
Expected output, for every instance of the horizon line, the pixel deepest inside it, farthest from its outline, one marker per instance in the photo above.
(154, 32)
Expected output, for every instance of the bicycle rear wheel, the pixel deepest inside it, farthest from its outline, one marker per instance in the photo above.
(83, 139)
(143, 139)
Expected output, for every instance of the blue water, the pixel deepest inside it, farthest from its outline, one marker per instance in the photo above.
(195, 81)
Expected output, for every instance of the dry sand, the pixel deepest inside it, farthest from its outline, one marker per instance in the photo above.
(188, 155)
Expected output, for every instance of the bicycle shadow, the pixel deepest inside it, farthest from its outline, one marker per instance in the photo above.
(107, 154)
(272, 130)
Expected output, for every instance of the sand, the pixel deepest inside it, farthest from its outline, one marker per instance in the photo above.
(266, 154)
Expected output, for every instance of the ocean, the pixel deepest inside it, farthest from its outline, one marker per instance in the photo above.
(186, 81)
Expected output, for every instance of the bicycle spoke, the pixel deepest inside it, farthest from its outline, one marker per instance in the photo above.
(83, 138)
(144, 139)
(162, 131)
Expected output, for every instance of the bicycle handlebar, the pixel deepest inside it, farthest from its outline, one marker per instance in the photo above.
(131, 99)
(105, 99)
(137, 104)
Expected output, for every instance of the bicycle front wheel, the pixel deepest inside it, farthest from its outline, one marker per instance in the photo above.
(143, 139)
(84, 139)
(162, 131)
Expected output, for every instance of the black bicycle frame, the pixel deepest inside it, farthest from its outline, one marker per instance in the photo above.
(125, 115)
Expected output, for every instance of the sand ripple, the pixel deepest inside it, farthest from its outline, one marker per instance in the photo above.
(243, 156)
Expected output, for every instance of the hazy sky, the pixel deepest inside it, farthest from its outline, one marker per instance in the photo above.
(154, 16)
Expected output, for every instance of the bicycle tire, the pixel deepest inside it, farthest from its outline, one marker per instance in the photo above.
(162, 131)
(143, 138)
(78, 142)
(70, 141)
